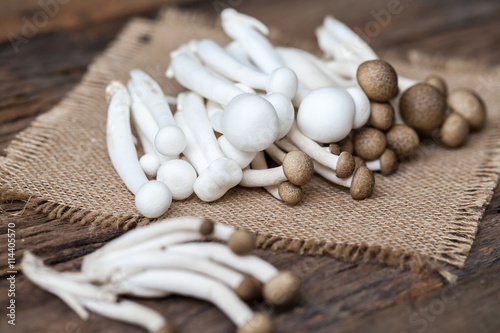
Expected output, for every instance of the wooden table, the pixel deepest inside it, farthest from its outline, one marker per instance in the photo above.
(335, 296)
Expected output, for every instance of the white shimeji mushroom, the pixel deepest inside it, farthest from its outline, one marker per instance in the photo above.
(169, 140)
(216, 173)
(152, 198)
(179, 176)
(249, 121)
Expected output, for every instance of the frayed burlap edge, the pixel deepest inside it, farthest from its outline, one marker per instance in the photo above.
(457, 246)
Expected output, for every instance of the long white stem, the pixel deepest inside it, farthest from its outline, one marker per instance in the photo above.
(121, 148)
(251, 265)
(192, 75)
(192, 151)
(259, 163)
(195, 285)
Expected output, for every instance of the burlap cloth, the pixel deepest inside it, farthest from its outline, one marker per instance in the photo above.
(427, 212)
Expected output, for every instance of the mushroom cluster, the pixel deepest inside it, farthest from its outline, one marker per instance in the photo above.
(163, 259)
(343, 116)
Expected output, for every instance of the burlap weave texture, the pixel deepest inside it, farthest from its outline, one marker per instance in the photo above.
(429, 210)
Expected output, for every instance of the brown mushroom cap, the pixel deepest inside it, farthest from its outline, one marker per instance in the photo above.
(281, 289)
(422, 107)
(334, 149)
(290, 193)
(388, 162)
(403, 140)
(362, 184)
(298, 167)
(346, 145)
(259, 323)
(345, 165)
(167, 328)
(381, 116)
(369, 143)
(378, 79)
(250, 289)
(454, 131)
(437, 82)
(358, 162)
(241, 242)
(206, 227)
(469, 105)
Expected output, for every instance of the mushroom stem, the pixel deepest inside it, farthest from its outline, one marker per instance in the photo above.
(343, 164)
(123, 156)
(259, 163)
(169, 140)
(195, 285)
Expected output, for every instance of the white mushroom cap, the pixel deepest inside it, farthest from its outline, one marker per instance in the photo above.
(217, 179)
(285, 111)
(326, 114)
(153, 199)
(250, 122)
(363, 108)
(170, 140)
(283, 80)
(150, 164)
(179, 176)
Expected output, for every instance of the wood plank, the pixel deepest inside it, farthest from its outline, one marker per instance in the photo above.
(334, 294)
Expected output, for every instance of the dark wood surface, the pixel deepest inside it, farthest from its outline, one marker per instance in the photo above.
(335, 296)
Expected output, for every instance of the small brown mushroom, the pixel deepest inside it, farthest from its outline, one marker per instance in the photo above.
(249, 289)
(290, 193)
(403, 140)
(362, 184)
(378, 79)
(469, 105)
(437, 82)
(369, 143)
(387, 164)
(422, 107)
(241, 242)
(282, 288)
(382, 115)
(454, 131)
(298, 167)
(258, 323)
(345, 165)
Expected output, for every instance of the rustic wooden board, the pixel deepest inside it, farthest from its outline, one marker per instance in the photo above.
(335, 295)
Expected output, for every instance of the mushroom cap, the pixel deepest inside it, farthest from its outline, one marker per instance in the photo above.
(369, 143)
(346, 145)
(250, 122)
(345, 165)
(258, 323)
(282, 289)
(388, 162)
(283, 80)
(150, 164)
(153, 199)
(378, 79)
(362, 184)
(362, 103)
(241, 242)
(326, 114)
(179, 176)
(167, 328)
(358, 162)
(422, 107)
(469, 105)
(403, 140)
(290, 193)
(454, 131)
(298, 167)
(437, 82)
(207, 227)
(170, 140)
(334, 149)
(249, 289)
(284, 110)
(382, 115)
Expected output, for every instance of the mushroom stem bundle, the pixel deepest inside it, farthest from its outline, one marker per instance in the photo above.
(152, 198)
(216, 173)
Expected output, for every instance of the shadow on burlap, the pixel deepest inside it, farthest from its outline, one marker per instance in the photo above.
(427, 213)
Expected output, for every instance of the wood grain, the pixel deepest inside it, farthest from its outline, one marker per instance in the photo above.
(335, 295)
